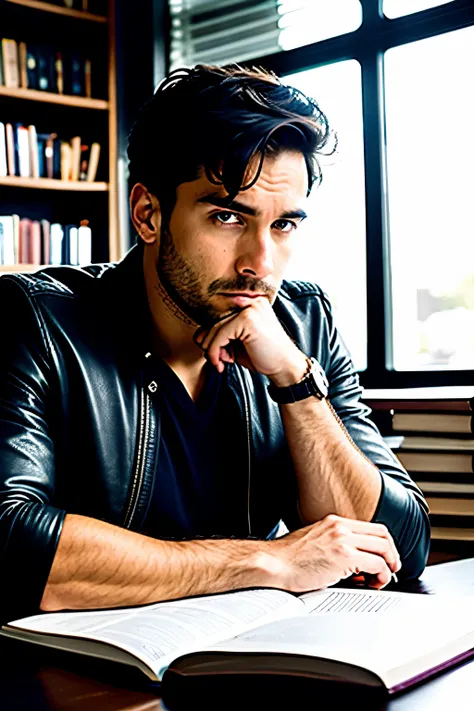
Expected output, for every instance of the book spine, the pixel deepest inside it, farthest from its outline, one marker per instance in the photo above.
(22, 65)
(57, 236)
(24, 241)
(3, 151)
(16, 238)
(7, 240)
(11, 71)
(65, 160)
(33, 151)
(23, 151)
(31, 68)
(75, 157)
(35, 243)
(10, 142)
(88, 78)
(59, 73)
(45, 242)
(84, 239)
(93, 162)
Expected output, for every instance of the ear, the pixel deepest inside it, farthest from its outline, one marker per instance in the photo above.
(146, 213)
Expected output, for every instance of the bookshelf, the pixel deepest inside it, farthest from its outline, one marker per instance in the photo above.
(49, 97)
(53, 184)
(49, 7)
(93, 117)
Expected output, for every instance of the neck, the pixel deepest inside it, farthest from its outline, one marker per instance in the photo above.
(173, 330)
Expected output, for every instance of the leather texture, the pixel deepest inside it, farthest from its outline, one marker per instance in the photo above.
(79, 432)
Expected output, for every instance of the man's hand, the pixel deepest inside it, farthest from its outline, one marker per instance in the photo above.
(335, 548)
(255, 339)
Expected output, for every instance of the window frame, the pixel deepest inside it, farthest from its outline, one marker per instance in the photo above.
(367, 45)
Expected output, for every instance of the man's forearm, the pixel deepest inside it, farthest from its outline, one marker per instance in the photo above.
(333, 475)
(100, 565)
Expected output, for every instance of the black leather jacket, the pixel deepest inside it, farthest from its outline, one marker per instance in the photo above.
(79, 432)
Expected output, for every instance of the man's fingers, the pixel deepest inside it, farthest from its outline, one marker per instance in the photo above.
(379, 546)
(375, 567)
(373, 530)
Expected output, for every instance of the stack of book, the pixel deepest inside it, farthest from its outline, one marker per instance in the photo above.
(27, 66)
(28, 154)
(431, 431)
(37, 242)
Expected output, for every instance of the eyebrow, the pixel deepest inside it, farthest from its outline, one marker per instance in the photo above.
(236, 206)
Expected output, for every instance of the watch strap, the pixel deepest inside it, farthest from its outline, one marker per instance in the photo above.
(307, 387)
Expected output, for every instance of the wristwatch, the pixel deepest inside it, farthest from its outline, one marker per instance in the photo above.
(314, 383)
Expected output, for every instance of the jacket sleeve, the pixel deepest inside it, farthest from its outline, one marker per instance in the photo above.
(401, 507)
(29, 525)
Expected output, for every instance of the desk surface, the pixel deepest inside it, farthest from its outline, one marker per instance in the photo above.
(35, 678)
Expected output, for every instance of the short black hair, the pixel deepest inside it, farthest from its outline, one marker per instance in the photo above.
(218, 119)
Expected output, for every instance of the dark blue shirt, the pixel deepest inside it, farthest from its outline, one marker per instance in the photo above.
(201, 481)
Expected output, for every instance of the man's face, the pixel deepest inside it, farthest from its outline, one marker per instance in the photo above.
(215, 256)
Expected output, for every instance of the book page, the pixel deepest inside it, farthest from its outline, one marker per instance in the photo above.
(395, 635)
(158, 633)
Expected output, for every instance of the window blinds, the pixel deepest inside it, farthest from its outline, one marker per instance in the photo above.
(223, 31)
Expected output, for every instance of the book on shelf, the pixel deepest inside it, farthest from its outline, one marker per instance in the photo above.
(10, 149)
(31, 68)
(38, 242)
(375, 640)
(93, 162)
(452, 398)
(7, 239)
(450, 506)
(433, 422)
(23, 73)
(56, 243)
(22, 147)
(11, 70)
(75, 158)
(33, 151)
(430, 444)
(452, 534)
(3, 151)
(59, 73)
(441, 461)
(66, 160)
(44, 68)
(28, 153)
(453, 488)
(45, 241)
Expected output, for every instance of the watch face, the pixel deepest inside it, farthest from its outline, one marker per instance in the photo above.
(320, 380)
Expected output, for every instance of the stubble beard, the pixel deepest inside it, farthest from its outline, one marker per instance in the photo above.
(180, 287)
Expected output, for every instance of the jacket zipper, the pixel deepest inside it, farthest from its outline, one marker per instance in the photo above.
(140, 465)
(247, 422)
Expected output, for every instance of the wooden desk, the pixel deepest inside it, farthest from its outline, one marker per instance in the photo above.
(33, 678)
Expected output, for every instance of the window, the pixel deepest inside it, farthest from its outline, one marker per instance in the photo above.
(330, 231)
(389, 236)
(398, 8)
(223, 31)
(430, 151)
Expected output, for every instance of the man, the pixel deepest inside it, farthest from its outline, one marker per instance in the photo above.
(161, 417)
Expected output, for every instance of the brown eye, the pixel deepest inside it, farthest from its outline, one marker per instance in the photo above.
(285, 225)
(226, 218)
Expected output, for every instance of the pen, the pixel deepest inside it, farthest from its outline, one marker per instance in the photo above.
(394, 578)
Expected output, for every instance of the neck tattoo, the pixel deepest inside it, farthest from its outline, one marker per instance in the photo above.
(173, 307)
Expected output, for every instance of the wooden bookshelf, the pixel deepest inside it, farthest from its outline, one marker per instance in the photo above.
(102, 211)
(16, 268)
(53, 184)
(51, 98)
(58, 10)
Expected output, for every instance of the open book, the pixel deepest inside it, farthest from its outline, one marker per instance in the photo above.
(381, 639)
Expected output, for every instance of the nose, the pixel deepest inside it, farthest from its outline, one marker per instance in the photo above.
(256, 258)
